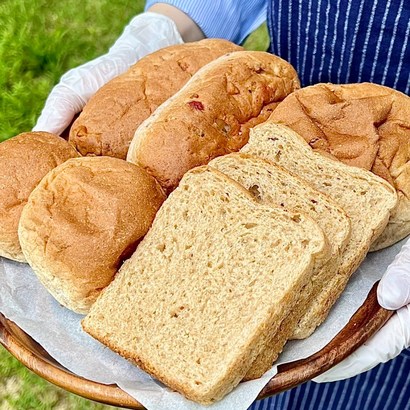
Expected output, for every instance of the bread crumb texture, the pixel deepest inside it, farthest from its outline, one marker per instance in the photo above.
(186, 307)
(367, 199)
(364, 125)
(274, 185)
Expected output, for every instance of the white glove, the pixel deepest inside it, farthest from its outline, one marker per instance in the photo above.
(393, 293)
(145, 34)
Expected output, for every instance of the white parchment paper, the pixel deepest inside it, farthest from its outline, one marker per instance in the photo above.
(26, 302)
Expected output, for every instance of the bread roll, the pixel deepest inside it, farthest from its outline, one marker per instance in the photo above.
(84, 218)
(364, 125)
(24, 160)
(108, 121)
(212, 114)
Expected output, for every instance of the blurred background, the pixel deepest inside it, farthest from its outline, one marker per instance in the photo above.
(39, 41)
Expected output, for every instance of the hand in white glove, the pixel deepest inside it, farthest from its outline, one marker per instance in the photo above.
(145, 34)
(393, 293)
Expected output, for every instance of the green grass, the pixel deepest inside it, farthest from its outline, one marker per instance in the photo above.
(20, 389)
(39, 41)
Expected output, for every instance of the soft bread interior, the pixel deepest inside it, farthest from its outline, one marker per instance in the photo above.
(367, 199)
(273, 185)
(186, 306)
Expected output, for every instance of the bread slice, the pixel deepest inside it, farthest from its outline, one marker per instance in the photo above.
(367, 199)
(215, 275)
(273, 185)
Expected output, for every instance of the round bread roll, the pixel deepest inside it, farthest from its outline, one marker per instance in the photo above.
(24, 160)
(364, 125)
(83, 219)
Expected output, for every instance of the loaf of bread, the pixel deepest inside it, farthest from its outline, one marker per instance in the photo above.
(367, 199)
(24, 160)
(84, 218)
(212, 114)
(364, 125)
(273, 185)
(214, 276)
(109, 120)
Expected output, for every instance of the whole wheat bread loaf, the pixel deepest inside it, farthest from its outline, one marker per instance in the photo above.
(273, 185)
(212, 114)
(214, 276)
(109, 120)
(367, 199)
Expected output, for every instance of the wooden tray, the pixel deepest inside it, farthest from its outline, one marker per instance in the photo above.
(364, 323)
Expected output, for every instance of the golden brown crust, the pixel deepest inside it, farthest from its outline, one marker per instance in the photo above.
(109, 120)
(24, 160)
(364, 125)
(85, 217)
(212, 114)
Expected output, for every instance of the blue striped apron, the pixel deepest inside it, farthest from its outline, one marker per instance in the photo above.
(344, 42)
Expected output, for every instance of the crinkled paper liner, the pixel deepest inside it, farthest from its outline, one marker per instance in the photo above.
(26, 302)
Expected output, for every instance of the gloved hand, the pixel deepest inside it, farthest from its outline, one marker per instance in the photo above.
(393, 293)
(145, 34)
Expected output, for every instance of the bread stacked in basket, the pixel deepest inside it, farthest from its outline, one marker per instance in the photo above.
(224, 234)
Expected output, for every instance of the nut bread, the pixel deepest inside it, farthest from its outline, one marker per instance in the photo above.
(273, 185)
(367, 199)
(186, 307)
(109, 119)
(212, 114)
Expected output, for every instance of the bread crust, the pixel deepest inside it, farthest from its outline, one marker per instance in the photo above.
(364, 125)
(84, 218)
(109, 119)
(212, 114)
(24, 160)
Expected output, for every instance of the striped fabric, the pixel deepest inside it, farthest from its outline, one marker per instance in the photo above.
(337, 41)
(344, 41)
(386, 387)
(325, 40)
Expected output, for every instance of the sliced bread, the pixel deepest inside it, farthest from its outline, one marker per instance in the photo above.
(366, 198)
(273, 185)
(216, 273)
